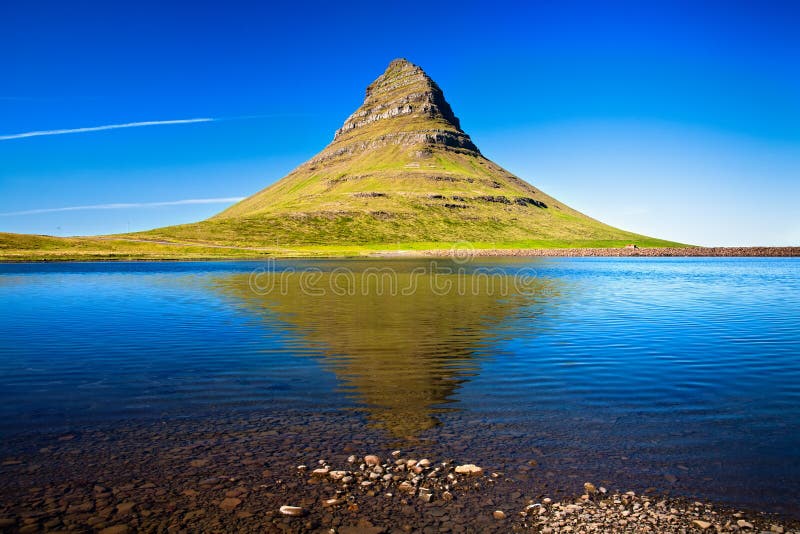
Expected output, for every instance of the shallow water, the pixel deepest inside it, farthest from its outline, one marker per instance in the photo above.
(682, 374)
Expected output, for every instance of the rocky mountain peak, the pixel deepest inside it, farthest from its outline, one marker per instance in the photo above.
(404, 104)
(407, 83)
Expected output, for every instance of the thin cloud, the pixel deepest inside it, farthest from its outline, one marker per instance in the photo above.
(127, 205)
(40, 133)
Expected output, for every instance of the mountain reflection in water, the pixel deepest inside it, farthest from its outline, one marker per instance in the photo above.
(400, 339)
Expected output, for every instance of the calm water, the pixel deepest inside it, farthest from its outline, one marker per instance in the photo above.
(682, 373)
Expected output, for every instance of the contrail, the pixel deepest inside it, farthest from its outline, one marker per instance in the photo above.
(226, 200)
(104, 127)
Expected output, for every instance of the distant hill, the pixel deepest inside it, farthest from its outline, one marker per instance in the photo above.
(401, 170)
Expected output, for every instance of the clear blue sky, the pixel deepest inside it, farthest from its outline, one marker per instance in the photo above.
(676, 119)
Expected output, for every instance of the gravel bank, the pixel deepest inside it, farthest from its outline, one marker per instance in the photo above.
(623, 252)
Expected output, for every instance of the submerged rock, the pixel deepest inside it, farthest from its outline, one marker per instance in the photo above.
(469, 469)
(292, 511)
(229, 503)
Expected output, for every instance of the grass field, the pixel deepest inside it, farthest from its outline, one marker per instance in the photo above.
(25, 247)
(35, 248)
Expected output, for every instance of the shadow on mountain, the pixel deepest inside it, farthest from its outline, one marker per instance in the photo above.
(401, 338)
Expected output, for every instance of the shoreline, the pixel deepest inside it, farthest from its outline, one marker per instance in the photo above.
(462, 253)
(689, 252)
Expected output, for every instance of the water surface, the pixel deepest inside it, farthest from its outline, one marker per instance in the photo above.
(682, 374)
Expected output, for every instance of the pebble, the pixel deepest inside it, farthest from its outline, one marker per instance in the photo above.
(229, 503)
(82, 507)
(372, 460)
(499, 514)
(292, 511)
(702, 525)
(125, 507)
(406, 487)
(469, 469)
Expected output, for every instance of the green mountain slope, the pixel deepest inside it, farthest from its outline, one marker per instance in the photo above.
(401, 170)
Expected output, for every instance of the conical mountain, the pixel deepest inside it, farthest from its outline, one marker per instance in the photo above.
(401, 170)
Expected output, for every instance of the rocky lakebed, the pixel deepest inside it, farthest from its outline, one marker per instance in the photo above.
(318, 474)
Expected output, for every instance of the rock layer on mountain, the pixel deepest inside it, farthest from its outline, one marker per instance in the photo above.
(405, 90)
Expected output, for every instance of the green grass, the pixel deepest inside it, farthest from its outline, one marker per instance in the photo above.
(35, 248)
(32, 248)
(316, 213)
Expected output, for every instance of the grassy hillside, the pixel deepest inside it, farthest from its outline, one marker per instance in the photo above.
(394, 195)
(399, 174)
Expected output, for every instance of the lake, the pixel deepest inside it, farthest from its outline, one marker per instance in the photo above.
(677, 374)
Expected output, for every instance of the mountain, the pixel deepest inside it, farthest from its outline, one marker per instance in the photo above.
(401, 170)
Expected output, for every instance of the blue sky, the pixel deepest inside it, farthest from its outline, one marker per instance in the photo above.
(679, 120)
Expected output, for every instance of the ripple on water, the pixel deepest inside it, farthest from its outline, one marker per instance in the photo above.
(661, 361)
